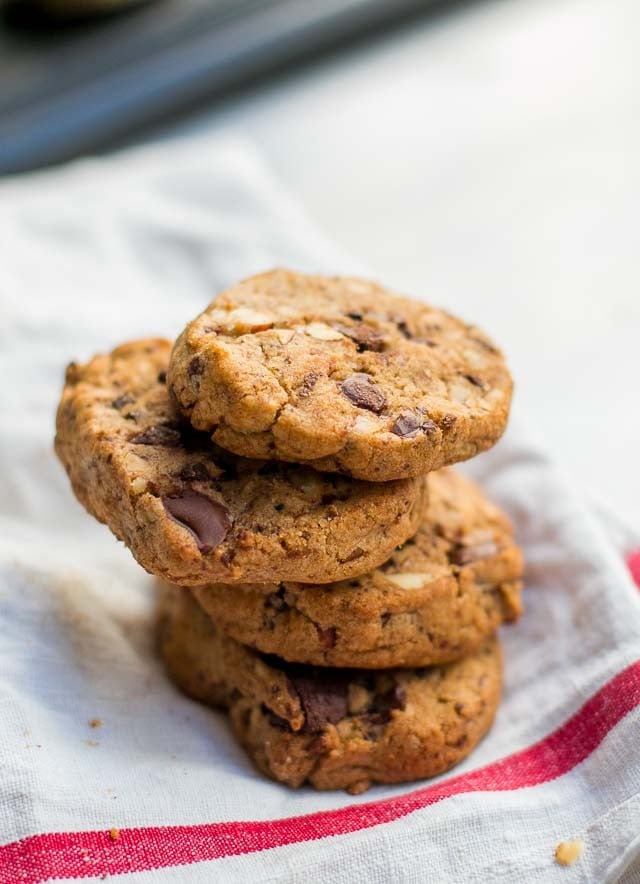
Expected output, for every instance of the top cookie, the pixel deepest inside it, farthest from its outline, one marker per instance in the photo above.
(193, 513)
(341, 374)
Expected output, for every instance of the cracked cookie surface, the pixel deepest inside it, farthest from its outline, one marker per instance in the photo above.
(193, 513)
(332, 728)
(341, 374)
(436, 599)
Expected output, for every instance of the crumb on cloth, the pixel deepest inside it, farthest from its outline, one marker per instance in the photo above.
(569, 852)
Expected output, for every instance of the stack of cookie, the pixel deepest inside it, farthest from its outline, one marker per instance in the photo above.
(339, 602)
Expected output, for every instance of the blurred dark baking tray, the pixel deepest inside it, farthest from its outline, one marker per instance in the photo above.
(66, 90)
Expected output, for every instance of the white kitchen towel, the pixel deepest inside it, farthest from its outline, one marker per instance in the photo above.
(106, 771)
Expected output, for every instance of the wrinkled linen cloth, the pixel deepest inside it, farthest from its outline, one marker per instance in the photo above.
(106, 770)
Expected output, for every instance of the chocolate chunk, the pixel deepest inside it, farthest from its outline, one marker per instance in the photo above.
(121, 401)
(162, 377)
(406, 424)
(355, 316)
(364, 336)
(361, 390)
(474, 379)
(448, 421)
(327, 637)
(324, 701)
(160, 435)
(207, 519)
(196, 367)
(278, 507)
(194, 472)
(409, 424)
(403, 328)
(463, 554)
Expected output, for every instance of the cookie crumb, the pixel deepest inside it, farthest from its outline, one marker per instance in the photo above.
(92, 743)
(569, 852)
(114, 833)
(95, 722)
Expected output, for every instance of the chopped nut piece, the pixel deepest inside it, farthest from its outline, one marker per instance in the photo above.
(240, 321)
(358, 699)
(408, 580)
(322, 332)
(138, 485)
(569, 852)
(459, 393)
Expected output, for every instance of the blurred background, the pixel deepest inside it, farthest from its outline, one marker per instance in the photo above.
(484, 155)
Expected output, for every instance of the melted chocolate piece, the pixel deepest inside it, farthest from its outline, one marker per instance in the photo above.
(206, 519)
(361, 390)
(406, 424)
(324, 701)
(364, 336)
(409, 424)
(196, 367)
(163, 435)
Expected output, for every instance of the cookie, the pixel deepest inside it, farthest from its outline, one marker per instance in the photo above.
(191, 512)
(333, 728)
(341, 374)
(437, 599)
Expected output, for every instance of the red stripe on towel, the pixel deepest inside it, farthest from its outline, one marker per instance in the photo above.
(633, 563)
(84, 854)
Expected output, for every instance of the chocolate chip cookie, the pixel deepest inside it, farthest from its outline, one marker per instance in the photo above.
(193, 513)
(437, 599)
(341, 374)
(333, 728)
